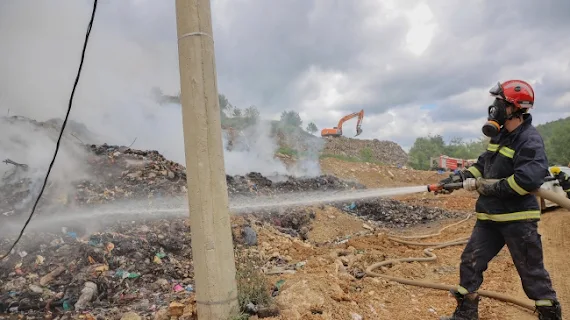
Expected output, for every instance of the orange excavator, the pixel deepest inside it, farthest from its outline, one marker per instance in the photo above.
(337, 131)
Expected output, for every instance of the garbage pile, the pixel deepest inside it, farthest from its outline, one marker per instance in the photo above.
(385, 152)
(140, 267)
(143, 265)
(255, 184)
(124, 173)
(295, 222)
(392, 213)
(121, 173)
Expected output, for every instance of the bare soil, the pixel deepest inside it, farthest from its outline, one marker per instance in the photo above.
(329, 285)
(328, 281)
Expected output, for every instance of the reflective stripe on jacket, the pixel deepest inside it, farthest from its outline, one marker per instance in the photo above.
(517, 158)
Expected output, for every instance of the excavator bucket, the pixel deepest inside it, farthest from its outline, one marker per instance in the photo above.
(358, 131)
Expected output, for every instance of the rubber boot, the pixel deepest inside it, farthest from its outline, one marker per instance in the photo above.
(553, 312)
(467, 307)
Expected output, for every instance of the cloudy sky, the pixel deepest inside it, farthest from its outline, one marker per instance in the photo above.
(415, 67)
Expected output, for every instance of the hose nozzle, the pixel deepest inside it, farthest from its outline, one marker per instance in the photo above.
(435, 187)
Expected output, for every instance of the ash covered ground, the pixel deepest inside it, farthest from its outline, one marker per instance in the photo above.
(141, 264)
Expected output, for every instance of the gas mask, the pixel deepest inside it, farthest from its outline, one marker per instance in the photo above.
(496, 119)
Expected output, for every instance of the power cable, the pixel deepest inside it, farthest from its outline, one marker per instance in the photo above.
(60, 132)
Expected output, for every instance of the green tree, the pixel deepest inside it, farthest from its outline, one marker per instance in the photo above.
(291, 118)
(426, 148)
(312, 128)
(556, 136)
(236, 112)
(423, 149)
(558, 146)
(251, 115)
(457, 148)
(225, 105)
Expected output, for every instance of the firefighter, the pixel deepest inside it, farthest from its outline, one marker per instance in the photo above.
(506, 212)
(562, 178)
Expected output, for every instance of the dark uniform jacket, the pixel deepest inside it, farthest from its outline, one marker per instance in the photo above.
(517, 158)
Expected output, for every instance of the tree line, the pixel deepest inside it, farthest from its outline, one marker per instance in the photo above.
(241, 118)
(425, 148)
(556, 136)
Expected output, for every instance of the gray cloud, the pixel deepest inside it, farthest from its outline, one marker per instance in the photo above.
(283, 55)
(475, 41)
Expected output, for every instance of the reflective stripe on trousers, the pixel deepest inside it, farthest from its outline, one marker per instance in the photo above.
(513, 216)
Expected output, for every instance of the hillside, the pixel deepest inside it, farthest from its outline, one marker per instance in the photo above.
(385, 152)
(293, 139)
(556, 135)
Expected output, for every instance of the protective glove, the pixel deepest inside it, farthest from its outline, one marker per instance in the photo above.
(488, 189)
(445, 181)
(453, 178)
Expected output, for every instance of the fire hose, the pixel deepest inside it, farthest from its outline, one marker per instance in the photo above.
(469, 184)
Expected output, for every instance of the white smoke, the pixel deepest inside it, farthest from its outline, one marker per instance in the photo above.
(253, 150)
(114, 98)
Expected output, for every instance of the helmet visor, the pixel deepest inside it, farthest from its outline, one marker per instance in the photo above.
(497, 91)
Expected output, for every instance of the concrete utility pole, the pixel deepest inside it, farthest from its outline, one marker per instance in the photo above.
(212, 247)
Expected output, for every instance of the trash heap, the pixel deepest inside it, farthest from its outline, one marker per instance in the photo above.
(255, 184)
(386, 152)
(144, 265)
(124, 173)
(392, 213)
(121, 173)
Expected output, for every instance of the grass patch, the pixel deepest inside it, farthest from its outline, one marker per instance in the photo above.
(288, 151)
(252, 284)
(341, 157)
(366, 155)
(352, 159)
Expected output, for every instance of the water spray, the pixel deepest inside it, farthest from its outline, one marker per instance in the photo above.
(176, 207)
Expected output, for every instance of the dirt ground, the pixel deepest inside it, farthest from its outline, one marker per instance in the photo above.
(373, 175)
(330, 284)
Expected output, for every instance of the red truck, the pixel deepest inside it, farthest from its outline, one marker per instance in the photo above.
(447, 163)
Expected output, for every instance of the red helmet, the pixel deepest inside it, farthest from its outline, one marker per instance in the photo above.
(517, 92)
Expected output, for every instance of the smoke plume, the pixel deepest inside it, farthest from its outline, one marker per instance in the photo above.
(131, 51)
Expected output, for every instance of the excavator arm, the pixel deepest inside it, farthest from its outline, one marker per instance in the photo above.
(337, 131)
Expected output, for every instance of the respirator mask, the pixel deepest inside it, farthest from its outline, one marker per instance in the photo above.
(496, 118)
(497, 112)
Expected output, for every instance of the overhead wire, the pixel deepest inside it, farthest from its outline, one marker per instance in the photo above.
(58, 143)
